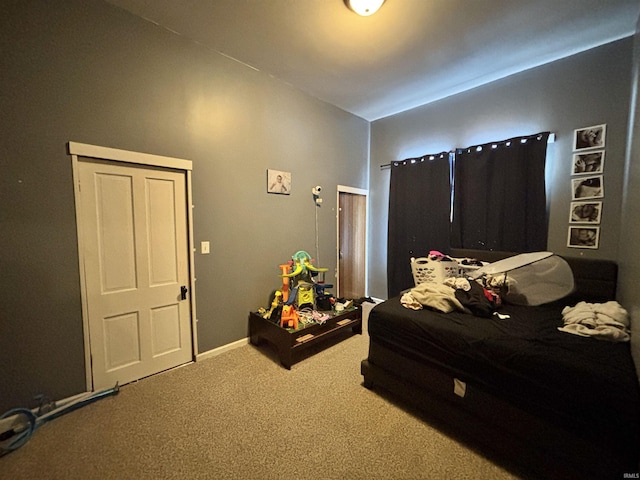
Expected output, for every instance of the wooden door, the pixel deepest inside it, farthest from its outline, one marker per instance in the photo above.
(352, 240)
(136, 270)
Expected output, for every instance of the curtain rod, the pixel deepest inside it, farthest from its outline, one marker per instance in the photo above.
(551, 139)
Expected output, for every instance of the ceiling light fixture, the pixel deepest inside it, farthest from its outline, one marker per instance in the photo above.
(364, 7)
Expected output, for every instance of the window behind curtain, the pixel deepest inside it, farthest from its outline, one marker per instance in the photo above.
(419, 215)
(499, 196)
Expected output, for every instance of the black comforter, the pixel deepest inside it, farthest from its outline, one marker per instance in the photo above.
(588, 386)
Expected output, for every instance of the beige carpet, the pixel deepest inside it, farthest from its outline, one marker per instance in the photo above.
(240, 415)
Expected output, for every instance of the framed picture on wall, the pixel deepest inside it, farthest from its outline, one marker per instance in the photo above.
(591, 162)
(585, 212)
(278, 182)
(587, 187)
(583, 237)
(589, 137)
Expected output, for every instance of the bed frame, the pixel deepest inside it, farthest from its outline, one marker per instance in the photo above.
(523, 443)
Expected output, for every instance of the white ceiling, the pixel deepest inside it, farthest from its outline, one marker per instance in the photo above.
(409, 53)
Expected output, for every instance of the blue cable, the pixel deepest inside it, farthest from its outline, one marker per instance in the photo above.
(19, 439)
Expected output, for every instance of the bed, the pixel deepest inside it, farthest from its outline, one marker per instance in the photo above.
(544, 403)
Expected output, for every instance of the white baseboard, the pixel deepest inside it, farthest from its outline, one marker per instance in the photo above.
(224, 348)
(14, 422)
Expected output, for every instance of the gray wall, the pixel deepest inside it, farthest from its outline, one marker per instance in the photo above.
(629, 254)
(585, 89)
(85, 71)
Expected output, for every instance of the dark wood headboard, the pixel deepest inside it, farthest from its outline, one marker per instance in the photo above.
(595, 280)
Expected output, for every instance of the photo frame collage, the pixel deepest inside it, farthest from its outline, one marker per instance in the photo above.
(587, 187)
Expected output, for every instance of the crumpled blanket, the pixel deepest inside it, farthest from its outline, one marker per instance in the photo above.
(435, 295)
(604, 321)
(458, 283)
(454, 294)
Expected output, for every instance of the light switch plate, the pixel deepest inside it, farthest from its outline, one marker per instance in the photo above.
(204, 247)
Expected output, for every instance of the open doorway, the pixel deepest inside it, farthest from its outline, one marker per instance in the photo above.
(352, 242)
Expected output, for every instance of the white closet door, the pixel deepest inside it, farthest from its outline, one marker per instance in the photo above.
(134, 222)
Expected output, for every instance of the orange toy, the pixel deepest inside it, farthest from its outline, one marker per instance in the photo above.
(285, 282)
(289, 317)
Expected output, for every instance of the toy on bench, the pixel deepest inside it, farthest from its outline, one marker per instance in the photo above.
(299, 290)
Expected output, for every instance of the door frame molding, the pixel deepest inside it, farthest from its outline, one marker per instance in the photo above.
(365, 193)
(116, 156)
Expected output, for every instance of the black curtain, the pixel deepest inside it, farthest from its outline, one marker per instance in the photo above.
(419, 215)
(499, 195)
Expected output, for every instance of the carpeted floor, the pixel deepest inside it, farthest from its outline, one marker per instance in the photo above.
(241, 415)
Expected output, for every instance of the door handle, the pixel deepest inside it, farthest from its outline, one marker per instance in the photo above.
(183, 292)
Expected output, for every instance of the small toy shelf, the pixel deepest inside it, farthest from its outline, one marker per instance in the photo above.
(289, 343)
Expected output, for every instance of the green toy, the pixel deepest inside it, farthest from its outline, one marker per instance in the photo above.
(303, 267)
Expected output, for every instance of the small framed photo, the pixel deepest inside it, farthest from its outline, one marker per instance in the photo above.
(583, 237)
(592, 162)
(587, 187)
(589, 137)
(278, 182)
(585, 212)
